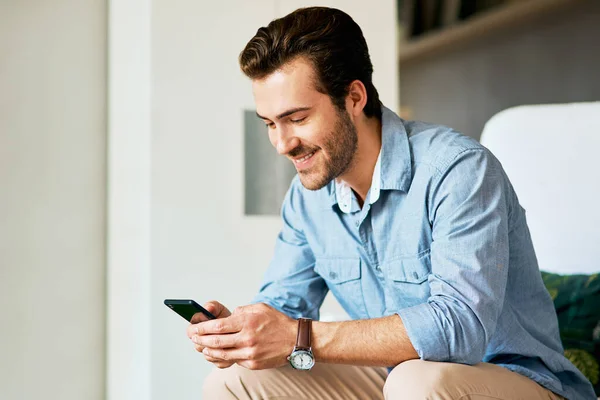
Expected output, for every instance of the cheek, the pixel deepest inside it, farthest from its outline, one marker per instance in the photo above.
(311, 135)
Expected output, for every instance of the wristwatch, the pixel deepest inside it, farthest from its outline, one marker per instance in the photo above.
(302, 356)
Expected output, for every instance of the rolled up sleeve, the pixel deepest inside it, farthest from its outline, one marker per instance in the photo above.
(468, 214)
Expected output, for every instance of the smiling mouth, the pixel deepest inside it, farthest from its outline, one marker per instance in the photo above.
(301, 160)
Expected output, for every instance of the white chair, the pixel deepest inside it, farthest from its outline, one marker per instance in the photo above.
(551, 154)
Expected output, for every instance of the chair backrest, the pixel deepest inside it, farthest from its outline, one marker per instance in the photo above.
(551, 154)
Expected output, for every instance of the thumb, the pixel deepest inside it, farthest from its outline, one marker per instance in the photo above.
(217, 309)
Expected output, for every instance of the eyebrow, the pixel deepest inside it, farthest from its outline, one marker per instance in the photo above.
(285, 113)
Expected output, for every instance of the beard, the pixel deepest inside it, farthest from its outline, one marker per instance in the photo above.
(340, 145)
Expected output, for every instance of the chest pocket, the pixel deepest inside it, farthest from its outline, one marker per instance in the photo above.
(343, 280)
(406, 280)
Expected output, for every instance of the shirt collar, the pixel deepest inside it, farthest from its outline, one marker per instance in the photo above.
(393, 170)
(345, 198)
(396, 166)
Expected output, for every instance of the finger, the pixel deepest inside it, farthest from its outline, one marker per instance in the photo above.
(217, 309)
(191, 330)
(232, 355)
(222, 364)
(218, 341)
(219, 363)
(218, 326)
(212, 359)
(198, 317)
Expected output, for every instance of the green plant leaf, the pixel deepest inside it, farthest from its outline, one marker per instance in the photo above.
(585, 362)
(591, 279)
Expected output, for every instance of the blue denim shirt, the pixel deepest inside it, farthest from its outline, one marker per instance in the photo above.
(445, 246)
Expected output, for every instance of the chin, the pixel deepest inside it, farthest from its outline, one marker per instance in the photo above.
(313, 181)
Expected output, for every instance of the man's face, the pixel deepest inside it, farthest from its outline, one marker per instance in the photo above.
(304, 125)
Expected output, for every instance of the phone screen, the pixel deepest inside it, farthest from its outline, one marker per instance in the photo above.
(187, 309)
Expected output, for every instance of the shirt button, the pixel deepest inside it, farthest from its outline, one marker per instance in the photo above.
(378, 268)
(332, 275)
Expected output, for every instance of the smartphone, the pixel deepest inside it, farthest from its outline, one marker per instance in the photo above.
(188, 308)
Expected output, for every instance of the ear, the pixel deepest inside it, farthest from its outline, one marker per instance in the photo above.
(356, 99)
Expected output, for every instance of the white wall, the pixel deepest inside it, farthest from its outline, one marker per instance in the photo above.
(53, 185)
(52, 199)
(202, 245)
(128, 215)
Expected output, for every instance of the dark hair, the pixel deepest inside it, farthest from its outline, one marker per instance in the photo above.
(329, 39)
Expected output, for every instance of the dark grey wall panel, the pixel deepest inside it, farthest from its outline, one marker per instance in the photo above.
(267, 175)
(554, 59)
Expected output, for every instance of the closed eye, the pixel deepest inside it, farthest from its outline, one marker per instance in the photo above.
(296, 121)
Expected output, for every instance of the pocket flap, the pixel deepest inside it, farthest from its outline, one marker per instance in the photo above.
(410, 270)
(338, 270)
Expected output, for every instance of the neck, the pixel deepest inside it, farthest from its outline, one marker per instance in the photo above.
(360, 173)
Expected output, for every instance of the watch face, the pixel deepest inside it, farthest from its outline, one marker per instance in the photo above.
(302, 359)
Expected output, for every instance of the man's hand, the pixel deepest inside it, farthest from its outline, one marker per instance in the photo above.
(255, 336)
(218, 310)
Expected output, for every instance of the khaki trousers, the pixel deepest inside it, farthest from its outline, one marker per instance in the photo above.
(410, 380)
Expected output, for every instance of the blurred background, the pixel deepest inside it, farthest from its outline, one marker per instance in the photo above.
(128, 174)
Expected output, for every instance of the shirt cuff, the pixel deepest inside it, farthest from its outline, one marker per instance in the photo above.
(425, 333)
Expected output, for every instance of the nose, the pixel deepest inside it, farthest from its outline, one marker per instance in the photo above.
(285, 142)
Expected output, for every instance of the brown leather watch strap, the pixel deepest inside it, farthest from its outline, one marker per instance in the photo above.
(303, 338)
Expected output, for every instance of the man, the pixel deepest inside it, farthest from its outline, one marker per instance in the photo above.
(414, 228)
